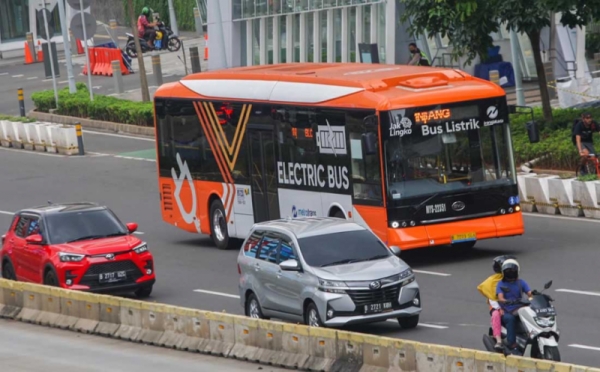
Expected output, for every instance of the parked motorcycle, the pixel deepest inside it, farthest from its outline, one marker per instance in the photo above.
(169, 41)
(537, 330)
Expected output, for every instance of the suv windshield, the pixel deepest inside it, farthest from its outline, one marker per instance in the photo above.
(342, 248)
(68, 227)
(457, 153)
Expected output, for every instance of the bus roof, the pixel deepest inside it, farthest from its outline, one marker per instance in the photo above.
(358, 85)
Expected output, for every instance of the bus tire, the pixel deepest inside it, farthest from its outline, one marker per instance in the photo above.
(218, 225)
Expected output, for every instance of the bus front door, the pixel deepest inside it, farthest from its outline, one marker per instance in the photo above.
(263, 172)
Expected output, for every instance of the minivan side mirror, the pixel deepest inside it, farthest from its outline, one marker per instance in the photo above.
(34, 239)
(132, 227)
(395, 250)
(290, 265)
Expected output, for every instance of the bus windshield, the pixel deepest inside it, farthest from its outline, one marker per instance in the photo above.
(445, 156)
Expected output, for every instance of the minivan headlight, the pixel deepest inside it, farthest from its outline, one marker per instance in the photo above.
(545, 321)
(406, 274)
(332, 286)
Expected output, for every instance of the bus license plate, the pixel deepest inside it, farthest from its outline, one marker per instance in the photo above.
(377, 308)
(113, 277)
(466, 237)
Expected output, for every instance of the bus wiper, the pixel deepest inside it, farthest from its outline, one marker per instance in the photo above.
(420, 206)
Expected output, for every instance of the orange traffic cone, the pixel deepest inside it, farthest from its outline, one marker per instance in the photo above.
(206, 47)
(28, 56)
(40, 52)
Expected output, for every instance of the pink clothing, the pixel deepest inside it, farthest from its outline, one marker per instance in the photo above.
(141, 25)
(496, 323)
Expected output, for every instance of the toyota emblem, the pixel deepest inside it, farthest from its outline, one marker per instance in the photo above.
(375, 285)
(110, 256)
(458, 206)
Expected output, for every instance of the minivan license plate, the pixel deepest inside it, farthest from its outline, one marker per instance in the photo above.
(116, 276)
(377, 308)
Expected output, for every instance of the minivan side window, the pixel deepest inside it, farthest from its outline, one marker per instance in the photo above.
(268, 249)
(252, 244)
(286, 251)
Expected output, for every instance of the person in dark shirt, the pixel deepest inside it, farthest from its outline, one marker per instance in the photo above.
(417, 57)
(516, 287)
(583, 131)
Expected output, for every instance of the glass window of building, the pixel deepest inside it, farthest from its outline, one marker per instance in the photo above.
(316, 4)
(310, 40)
(337, 34)
(283, 39)
(53, 21)
(248, 8)
(296, 37)
(366, 21)
(270, 33)
(261, 8)
(381, 30)
(274, 6)
(323, 56)
(14, 19)
(301, 5)
(255, 41)
(352, 34)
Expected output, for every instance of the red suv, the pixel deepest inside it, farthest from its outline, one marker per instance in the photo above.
(82, 246)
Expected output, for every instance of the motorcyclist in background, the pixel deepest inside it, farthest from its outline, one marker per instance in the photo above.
(515, 288)
(145, 28)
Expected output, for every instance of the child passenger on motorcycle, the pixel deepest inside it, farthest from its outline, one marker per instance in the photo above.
(515, 288)
(488, 289)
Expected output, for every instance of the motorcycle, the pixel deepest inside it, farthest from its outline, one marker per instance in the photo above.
(536, 328)
(169, 41)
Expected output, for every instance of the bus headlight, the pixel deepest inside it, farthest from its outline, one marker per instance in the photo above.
(395, 224)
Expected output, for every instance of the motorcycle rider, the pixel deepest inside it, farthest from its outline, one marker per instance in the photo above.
(515, 288)
(145, 28)
(488, 289)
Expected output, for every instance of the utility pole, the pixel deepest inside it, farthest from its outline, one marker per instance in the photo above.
(65, 35)
(138, 50)
(173, 18)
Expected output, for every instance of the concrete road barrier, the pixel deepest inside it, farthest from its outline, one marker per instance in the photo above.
(40, 136)
(273, 343)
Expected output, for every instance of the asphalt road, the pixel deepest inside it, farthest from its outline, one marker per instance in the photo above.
(191, 272)
(25, 347)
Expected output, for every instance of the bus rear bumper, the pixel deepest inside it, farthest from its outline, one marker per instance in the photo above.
(455, 232)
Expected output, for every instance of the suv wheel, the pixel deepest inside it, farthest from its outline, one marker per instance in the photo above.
(51, 278)
(311, 317)
(143, 292)
(8, 271)
(218, 225)
(253, 309)
(409, 322)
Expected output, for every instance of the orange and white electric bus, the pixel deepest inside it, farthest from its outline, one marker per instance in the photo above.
(422, 156)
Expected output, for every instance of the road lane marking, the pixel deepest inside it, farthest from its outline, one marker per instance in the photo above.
(32, 78)
(138, 233)
(3, 73)
(585, 347)
(426, 325)
(216, 293)
(7, 213)
(578, 292)
(560, 217)
(18, 76)
(431, 273)
(119, 135)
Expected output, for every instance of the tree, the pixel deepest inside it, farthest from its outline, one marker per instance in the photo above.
(140, 57)
(469, 23)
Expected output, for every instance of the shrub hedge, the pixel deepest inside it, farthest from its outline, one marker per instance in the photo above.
(16, 118)
(103, 108)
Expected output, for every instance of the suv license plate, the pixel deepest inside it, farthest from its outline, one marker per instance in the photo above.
(116, 276)
(377, 308)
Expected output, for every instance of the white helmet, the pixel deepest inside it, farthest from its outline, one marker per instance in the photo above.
(510, 269)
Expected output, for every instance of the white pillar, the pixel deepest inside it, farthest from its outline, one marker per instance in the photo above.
(317, 37)
(390, 33)
(330, 37)
(276, 39)
(303, 38)
(289, 34)
(263, 41)
(359, 30)
(249, 43)
(580, 53)
(345, 34)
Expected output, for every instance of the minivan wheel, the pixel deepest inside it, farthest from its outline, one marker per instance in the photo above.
(253, 309)
(409, 322)
(218, 225)
(312, 318)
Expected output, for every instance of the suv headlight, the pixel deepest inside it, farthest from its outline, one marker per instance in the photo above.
(545, 321)
(70, 257)
(141, 248)
(331, 286)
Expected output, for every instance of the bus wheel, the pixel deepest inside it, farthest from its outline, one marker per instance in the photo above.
(218, 225)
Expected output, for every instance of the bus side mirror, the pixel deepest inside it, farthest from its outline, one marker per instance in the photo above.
(370, 143)
(533, 131)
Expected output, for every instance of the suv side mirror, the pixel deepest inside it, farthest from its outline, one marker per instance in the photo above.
(395, 250)
(290, 265)
(34, 239)
(132, 227)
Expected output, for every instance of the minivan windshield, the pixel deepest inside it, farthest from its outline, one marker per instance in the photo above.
(342, 248)
(67, 227)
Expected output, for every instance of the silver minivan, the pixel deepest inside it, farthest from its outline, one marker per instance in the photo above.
(325, 272)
